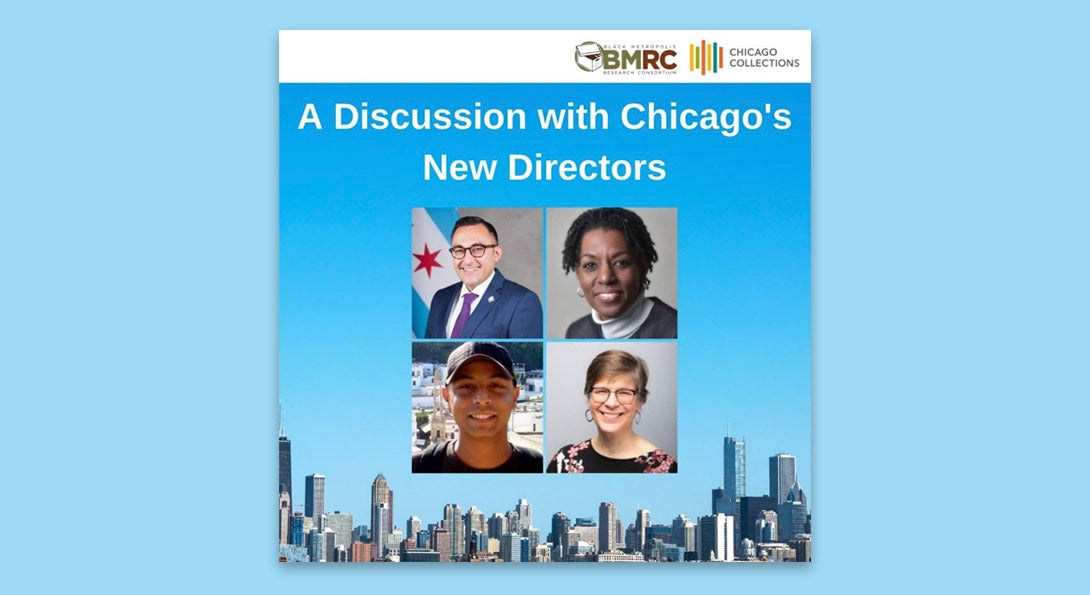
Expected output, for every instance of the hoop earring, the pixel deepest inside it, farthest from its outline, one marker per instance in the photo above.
(588, 415)
(579, 291)
(638, 414)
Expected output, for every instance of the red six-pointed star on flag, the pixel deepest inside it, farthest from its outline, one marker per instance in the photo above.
(427, 260)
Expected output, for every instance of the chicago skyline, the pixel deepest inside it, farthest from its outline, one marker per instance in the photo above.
(714, 536)
(688, 493)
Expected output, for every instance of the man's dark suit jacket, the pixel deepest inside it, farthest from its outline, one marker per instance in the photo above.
(506, 311)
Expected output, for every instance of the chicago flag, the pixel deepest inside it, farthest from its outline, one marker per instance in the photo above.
(433, 267)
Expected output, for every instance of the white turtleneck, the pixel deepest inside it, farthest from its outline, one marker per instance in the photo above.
(625, 325)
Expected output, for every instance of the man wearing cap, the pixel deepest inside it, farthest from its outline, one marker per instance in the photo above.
(480, 393)
(485, 304)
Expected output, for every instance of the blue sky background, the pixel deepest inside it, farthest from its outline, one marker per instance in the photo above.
(743, 285)
(138, 242)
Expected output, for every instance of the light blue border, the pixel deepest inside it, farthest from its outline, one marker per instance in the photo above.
(138, 333)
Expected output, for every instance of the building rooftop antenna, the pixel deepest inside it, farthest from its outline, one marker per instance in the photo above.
(282, 434)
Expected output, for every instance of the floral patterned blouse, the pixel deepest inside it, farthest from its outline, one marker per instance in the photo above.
(582, 458)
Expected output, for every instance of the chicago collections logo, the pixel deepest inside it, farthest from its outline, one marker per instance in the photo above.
(588, 56)
(706, 57)
(711, 57)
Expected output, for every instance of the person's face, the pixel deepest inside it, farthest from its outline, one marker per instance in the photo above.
(612, 416)
(481, 397)
(611, 280)
(473, 270)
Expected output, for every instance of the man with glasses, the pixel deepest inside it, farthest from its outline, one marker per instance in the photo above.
(484, 304)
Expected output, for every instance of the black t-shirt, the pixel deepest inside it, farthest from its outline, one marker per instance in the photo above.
(440, 458)
(582, 458)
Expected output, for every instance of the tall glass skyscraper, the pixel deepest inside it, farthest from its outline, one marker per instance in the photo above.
(381, 494)
(314, 506)
(607, 514)
(559, 535)
(734, 483)
(781, 476)
(455, 524)
(734, 468)
(380, 517)
(525, 511)
(643, 522)
(285, 483)
(474, 526)
(285, 464)
(285, 459)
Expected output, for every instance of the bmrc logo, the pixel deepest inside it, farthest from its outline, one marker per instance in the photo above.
(588, 56)
(591, 56)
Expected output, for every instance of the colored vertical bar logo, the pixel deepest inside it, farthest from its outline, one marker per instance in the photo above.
(706, 57)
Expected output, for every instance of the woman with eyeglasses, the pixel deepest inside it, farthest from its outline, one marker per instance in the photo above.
(616, 390)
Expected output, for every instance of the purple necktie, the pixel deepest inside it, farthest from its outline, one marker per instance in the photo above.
(463, 316)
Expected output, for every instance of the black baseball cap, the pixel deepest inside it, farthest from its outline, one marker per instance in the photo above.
(474, 350)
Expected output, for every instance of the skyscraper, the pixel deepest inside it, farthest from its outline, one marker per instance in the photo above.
(314, 546)
(715, 538)
(314, 503)
(341, 524)
(412, 527)
(795, 494)
(285, 458)
(440, 542)
(381, 493)
(749, 510)
(734, 484)
(534, 535)
(497, 526)
(734, 468)
(525, 551)
(511, 548)
(525, 514)
(395, 540)
(474, 525)
(781, 476)
(643, 521)
(455, 525)
(792, 514)
(585, 530)
(285, 518)
(607, 515)
(380, 515)
(390, 503)
(802, 546)
(297, 531)
(719, 501)
(765, 527)
(683, 533)
(559, 535)
(513, 522)
(630, 538)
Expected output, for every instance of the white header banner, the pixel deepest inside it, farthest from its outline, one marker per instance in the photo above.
(544, 56)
